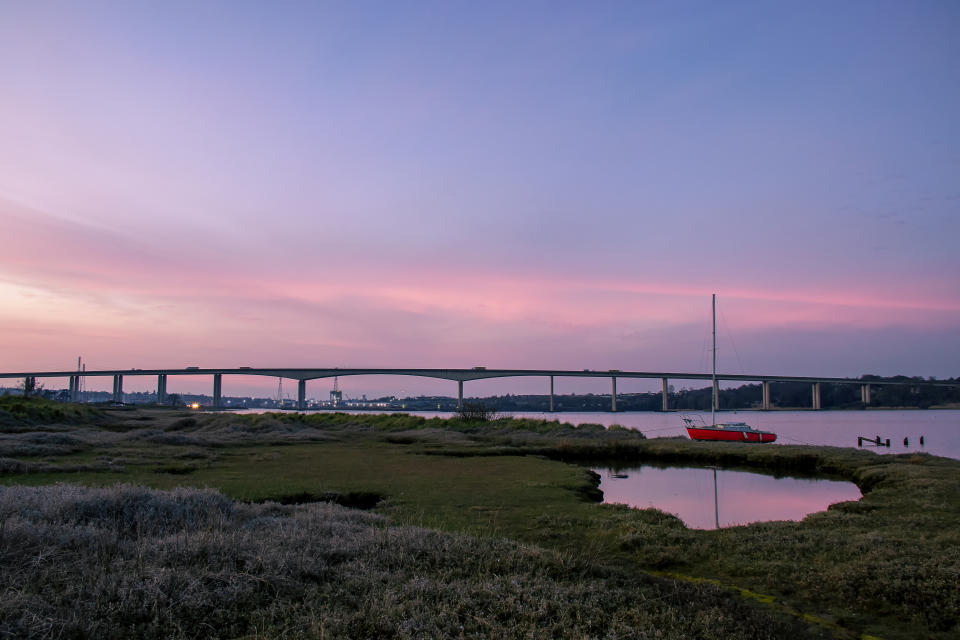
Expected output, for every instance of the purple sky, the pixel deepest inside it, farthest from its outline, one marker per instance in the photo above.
(535, 185)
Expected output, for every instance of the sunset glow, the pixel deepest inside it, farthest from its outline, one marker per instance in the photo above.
(548, 186)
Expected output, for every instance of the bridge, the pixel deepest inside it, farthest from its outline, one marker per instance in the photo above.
(301, 375)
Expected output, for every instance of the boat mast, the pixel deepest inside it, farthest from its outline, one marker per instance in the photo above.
(713, 385)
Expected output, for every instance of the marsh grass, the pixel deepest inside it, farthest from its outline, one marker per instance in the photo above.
(18, 411)
(131, 562)
(888, 565)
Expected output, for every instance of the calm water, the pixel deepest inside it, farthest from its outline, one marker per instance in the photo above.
(939, 427)
(688, 493)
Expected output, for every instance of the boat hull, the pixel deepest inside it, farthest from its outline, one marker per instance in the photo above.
(730, 435)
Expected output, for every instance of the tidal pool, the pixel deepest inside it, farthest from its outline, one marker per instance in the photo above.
(707, 498)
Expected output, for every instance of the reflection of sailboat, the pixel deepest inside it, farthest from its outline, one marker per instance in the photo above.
(731, 431)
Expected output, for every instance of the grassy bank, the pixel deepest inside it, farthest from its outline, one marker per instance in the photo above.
(130, 562)
(886, 565)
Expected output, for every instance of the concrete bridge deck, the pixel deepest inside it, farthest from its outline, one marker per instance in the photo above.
(460, 376)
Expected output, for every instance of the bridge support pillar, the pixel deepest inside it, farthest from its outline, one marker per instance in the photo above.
(29, 386)
(816, 396)
(118, 389)
(765, 402)
(551, 394)
(664, 404)
(459, 395)
(161, 388)
(217, 389)
(72, 388)
(301, 395)
(613, 394)
(865, 393)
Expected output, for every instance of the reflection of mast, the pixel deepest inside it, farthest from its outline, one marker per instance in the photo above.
(716, 503)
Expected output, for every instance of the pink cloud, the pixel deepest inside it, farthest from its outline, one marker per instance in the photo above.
(59, 253)
(124, 300)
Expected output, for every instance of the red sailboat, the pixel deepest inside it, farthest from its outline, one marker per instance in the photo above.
(731, 431)
(727, 431)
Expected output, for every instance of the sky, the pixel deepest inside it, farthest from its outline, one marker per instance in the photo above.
(502, 184)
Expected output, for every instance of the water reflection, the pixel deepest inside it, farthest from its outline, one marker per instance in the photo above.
(704, 498)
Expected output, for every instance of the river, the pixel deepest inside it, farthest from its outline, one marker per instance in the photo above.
(939, 428)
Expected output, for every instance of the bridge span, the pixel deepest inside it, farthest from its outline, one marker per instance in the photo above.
(301, 375)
